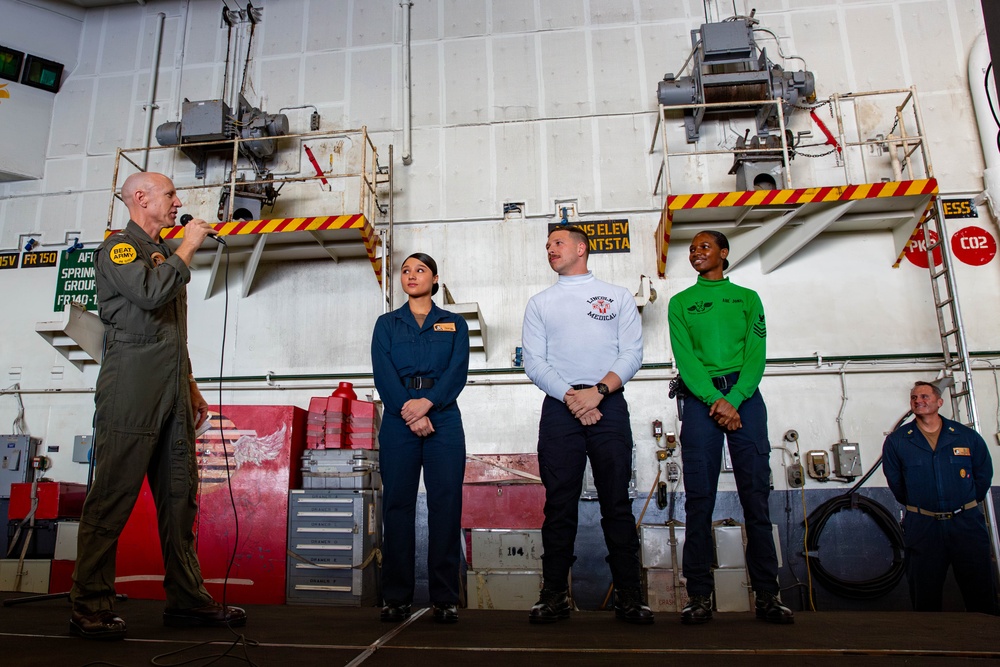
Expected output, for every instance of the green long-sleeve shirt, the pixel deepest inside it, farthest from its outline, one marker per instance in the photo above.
(717, 328)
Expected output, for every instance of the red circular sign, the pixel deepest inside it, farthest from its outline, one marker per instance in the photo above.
(973, 245)
(916, 248)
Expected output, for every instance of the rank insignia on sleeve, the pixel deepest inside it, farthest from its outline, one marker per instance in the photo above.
(122, 253)
(444, 326)
(961, 451)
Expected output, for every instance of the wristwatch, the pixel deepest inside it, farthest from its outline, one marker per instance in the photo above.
(602, 389)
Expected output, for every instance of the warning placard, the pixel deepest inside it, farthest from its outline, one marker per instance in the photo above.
(9, 260)
(31, 260)
(76, 280)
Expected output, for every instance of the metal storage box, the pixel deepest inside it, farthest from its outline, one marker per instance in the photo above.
(732, 590)
(663, 592)
(500, 549)
(503, 589)
(658, 547)
(340, 469)
(331, 537)
(66, 537)
(730, 546)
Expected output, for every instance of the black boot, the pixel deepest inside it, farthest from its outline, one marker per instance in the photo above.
(630, 608)
(551, 607)
(698, 610)
(770, 609)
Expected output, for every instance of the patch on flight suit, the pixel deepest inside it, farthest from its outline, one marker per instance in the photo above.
(158, 258)
(961, 451)
(123, 253)
(444, 326)
(962, 473)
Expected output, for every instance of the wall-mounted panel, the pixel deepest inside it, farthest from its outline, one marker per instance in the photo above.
(616, 70)
(120, 52)
(625, 179)
(425, 20)
(514, 16)
(283, 26)
(109, 131)
(611, 11)
(205, 42)
(372, 24)
(465, 18)
(515, 78)
(669, 10)
(557, 14)
(425, 80)
(22, 150)
(817, 36)
(468, 167)
(418, 186)
(328, 25)
(570, 164)
(875, 48)
(325, 76)
(520, 171)
(565, 74)
(664, 48)
(279, 82)
(371, 87)
(65, 174)
(466, 82)
(937, 64)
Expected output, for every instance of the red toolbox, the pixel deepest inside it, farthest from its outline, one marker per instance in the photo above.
(56, 500)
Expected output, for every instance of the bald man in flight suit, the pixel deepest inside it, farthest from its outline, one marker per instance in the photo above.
(147, 408)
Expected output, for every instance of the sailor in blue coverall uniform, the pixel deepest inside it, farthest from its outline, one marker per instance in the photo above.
(941, 471)
(420, 358)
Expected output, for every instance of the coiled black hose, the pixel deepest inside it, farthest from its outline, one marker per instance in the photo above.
(869, 589)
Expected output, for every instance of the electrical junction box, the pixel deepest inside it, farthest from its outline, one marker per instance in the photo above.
(818, 464)
(82, 445)
(15, 460)
(847, 459)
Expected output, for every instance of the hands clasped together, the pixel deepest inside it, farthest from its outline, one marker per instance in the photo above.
(725, 415)
(583, 404)
(414, 413)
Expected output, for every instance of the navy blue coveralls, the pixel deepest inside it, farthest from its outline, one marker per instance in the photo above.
(438, 354)
(944, 481)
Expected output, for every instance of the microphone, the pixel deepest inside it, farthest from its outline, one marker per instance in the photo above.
(187, 217)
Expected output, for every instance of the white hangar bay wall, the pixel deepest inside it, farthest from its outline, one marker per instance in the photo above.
(513, 100)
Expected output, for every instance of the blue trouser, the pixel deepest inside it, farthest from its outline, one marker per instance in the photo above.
(564, 444)
(442, 457)
(962, 542)
(701, 453)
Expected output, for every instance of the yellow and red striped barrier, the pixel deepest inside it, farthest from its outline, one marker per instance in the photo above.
(779, 198)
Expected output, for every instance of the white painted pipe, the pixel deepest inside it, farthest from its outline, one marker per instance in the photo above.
(407, 87)
(983, 90)
(153, 77)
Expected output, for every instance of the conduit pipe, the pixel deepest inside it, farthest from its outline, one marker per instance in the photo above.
(153, 78)
(983, 90)
(407, 86)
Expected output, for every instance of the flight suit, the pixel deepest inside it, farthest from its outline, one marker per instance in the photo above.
(948, 482)
(144, 423)
(438, 351)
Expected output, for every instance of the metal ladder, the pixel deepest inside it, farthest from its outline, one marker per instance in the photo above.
(957, 364)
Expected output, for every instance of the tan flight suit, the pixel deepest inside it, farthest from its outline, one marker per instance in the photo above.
(144, 420)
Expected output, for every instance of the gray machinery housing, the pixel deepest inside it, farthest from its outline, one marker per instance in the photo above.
(730, 68)
(214, 121)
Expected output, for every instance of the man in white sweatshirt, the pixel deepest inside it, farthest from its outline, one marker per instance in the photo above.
(582, 341)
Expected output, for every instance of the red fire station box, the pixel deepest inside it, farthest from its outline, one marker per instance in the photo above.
(502, 491)
(56, 500)
(264, 446)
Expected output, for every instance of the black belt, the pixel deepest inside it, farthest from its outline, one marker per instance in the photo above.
(418, 383)
(725, 381)
(941, 516)
(578, 387)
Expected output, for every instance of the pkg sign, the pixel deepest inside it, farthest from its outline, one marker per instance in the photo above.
(76, 280)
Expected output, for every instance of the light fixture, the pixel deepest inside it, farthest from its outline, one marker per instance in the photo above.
(74, 246)
(30, 245)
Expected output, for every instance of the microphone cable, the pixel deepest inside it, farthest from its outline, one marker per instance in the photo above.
(240, 639)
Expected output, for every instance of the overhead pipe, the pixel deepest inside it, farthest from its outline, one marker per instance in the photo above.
(407, 86)
(153, 78)
(983, 89)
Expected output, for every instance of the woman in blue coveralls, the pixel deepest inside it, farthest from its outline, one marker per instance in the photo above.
(420, 358)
